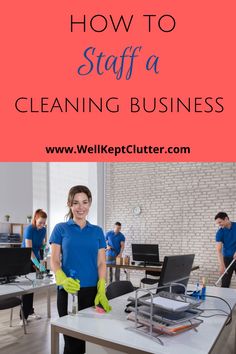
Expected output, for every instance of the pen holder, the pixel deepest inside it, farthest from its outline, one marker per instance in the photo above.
(196, 294)
(200, 294)
(39, 275)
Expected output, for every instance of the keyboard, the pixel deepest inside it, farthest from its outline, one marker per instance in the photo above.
(156, 264)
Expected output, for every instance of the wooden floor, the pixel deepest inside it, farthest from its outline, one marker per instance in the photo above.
(37, 341)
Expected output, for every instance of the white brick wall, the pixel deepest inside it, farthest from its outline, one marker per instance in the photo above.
(179, 202)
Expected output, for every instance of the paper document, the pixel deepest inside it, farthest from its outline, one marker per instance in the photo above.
(168, 304)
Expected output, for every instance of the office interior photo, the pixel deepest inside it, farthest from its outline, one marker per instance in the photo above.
(117, 258)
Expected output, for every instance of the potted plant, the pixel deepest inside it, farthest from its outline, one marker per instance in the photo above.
(7, 218)
(29, 218)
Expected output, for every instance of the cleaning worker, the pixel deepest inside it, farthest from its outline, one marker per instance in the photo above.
(226, 246)
(115, 247)
(78, 247)
(34, 237)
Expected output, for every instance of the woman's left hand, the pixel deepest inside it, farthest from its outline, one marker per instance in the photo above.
(101, 296)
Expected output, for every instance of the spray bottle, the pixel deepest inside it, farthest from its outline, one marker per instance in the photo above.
(74, 309)
(46, 252)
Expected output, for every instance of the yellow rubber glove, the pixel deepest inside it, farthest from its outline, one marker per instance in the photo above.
(70, 285)
(101, 296)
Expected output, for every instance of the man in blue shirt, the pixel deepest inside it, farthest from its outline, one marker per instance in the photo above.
(226, 246)
(115, 247)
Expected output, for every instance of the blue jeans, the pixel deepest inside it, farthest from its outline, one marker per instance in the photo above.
(112, 260)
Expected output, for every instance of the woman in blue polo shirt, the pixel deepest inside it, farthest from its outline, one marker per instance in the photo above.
(34, 237)
(78, 260)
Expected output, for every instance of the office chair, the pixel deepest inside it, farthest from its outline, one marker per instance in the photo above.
(10, 303)
(118, 288)
(149, 281)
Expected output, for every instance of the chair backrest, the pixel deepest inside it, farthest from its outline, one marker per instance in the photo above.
(176, 269)
(9, 303)
(118, 288)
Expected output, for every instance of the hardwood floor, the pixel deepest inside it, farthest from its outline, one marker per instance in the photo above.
(37, 340)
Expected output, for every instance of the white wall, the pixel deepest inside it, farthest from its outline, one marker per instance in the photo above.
(63, 176)
(40, 186)
(25, 187)
(16, 196)
(178, 202)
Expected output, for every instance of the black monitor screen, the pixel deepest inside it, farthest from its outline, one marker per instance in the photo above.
(176, 269)
(15, 261)
(147, 253)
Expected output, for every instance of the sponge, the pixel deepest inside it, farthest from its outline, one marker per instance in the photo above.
(99, 308)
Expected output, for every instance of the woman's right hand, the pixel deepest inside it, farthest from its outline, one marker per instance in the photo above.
(70, 285)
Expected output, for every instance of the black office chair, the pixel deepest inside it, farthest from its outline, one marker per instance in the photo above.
(150, 281)
(118, 288)
(10, 303)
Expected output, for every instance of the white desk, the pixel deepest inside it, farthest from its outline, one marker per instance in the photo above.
(9, 244)
(109, 330)
(24, 286)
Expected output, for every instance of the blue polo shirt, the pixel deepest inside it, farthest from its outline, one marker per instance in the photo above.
(79, 249)
(114, 241)
(228, 238)
(36, 236)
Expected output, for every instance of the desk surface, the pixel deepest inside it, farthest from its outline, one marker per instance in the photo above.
(135, 267)
(10, 243)
(141, 267)
(111, 329)
(24, 286)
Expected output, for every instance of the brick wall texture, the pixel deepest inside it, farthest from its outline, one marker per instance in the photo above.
(178, 204)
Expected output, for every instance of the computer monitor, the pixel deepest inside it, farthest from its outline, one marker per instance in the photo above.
(176, 269)
(146, 253)
(14, 262)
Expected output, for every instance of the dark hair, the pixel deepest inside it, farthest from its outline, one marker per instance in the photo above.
(221, 215)
(72, 192)
(39, 213)
(118, 223)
